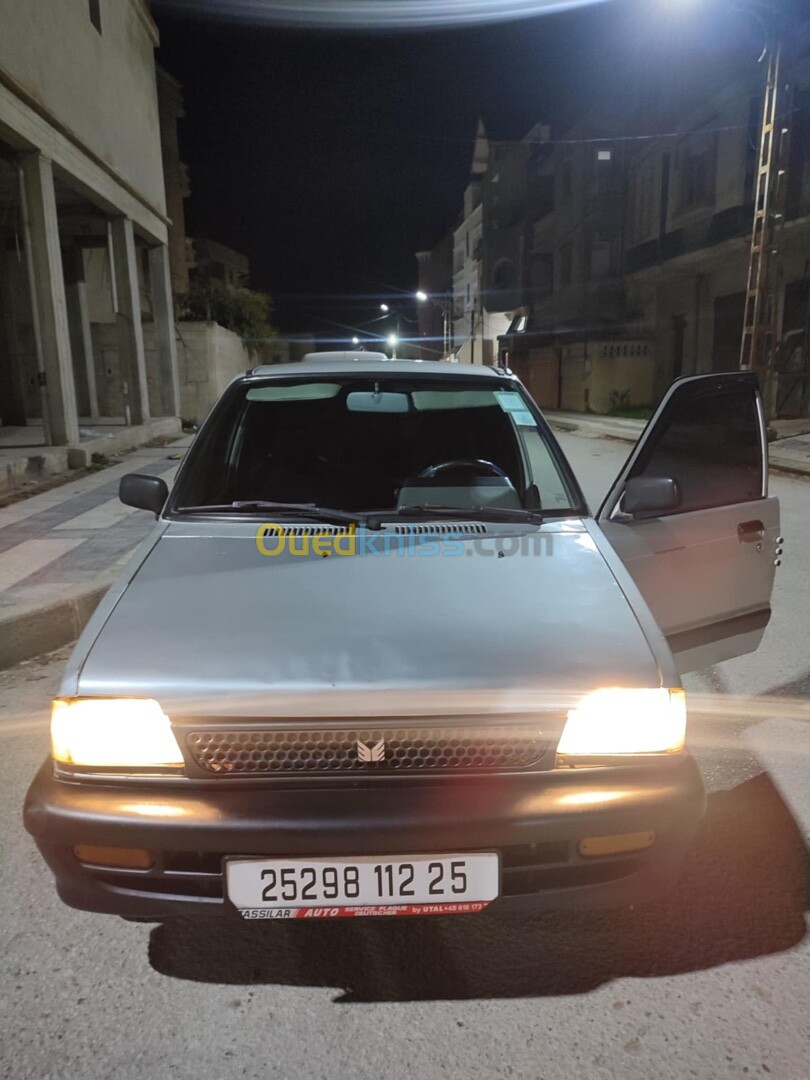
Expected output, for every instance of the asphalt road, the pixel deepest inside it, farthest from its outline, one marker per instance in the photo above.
(714, 982)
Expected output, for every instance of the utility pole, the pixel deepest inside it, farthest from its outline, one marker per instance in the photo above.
(472, 331)
(759, 340)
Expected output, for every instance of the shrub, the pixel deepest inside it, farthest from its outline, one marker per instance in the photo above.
(245, 311)
(620, 399)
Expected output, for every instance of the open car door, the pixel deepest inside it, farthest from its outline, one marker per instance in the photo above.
(690, 518)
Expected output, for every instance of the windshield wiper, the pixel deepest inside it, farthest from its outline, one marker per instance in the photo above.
(310, 511)
(473, 513)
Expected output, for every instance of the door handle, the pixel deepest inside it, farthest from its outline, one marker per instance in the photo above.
(750, 532)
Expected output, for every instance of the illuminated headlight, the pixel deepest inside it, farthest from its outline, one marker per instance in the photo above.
(616, 721)
(113, 732)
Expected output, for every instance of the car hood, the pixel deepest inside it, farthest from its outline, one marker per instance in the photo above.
(210, 625)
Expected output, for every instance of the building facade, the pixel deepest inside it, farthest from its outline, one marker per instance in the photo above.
(689, 225)
(476, 325)
(574, 340)
(82, 190)
(216, 264)
(176, 179)
(635, 248)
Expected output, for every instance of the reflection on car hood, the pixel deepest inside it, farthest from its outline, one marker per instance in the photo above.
(208, 624)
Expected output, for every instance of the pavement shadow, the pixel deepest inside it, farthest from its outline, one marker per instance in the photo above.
(796, 688)
(743, 894)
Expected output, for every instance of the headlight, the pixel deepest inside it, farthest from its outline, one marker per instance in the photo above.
(113, 732)
(616, 721)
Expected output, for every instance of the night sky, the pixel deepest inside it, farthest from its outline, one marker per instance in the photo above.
(328, 158)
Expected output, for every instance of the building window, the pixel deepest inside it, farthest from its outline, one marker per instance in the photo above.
(695, 166)
(567, 179)
(503, 275)
(95, 13)
(564, 262)
(543, 274)
(543, 191)
(600, 163)
(644, 202)
(601, 256)
(696, 180)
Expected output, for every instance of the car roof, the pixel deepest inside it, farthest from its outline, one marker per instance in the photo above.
(371, 364)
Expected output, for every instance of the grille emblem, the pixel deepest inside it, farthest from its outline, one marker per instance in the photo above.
(371, 751)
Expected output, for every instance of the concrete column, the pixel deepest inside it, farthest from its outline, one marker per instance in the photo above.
(81, 341)
(128, 319)
(163, 310)
(48, 293)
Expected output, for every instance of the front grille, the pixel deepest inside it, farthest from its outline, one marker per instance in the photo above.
(433, 749)
(529, 869)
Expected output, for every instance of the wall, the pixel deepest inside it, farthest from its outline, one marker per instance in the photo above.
(108, 371)
(538, 370)
(99, 287)
(489, 325)
(690, 295)
(209, 357)
(589, 377)
(101, 86)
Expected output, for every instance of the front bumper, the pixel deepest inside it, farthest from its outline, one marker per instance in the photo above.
(535, 821)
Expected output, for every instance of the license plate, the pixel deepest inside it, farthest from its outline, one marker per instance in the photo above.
(368, 885)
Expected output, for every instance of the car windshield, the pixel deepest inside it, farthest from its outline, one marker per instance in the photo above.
(368, 443)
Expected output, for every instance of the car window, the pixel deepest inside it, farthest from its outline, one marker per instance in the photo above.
(710, 444)
(365, 443)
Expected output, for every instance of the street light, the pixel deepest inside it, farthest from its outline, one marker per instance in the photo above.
(444, 305)
(393, 341)
(355, 341)
(394, 310)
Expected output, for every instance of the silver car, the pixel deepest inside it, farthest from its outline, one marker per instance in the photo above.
(377, 657)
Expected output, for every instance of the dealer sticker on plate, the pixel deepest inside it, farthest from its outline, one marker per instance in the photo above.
(368, 885)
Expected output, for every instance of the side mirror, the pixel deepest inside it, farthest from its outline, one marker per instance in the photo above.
(143, 492)
(651, 494)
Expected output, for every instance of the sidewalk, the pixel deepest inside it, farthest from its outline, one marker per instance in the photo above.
(24, 457)
(788, 453)
(60, 551)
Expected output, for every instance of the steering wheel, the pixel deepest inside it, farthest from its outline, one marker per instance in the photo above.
(475, 466)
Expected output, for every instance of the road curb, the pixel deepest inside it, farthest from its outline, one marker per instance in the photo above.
(36, 630)
(788, 469)
(594, 431)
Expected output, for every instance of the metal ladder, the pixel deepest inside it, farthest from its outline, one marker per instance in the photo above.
(758, 350)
